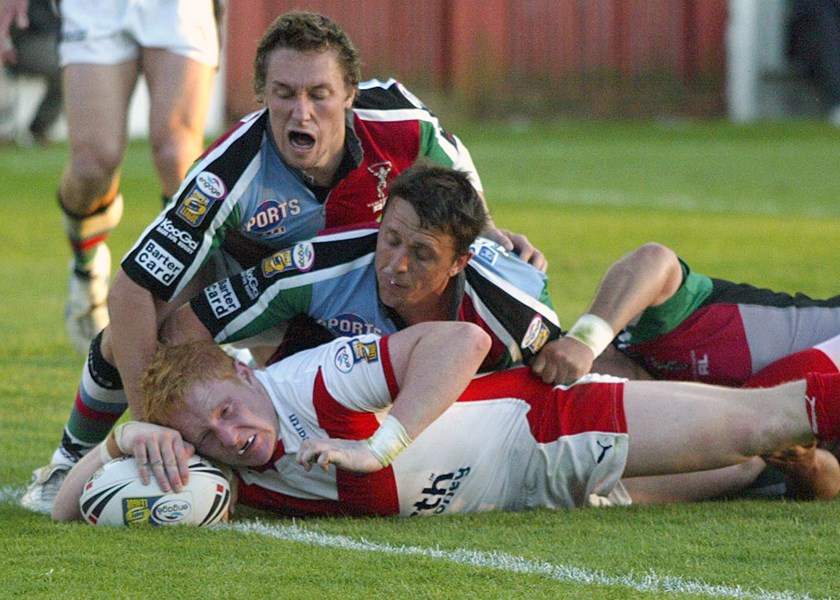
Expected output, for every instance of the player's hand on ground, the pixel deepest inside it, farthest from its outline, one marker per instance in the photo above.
(519, 244)
(350, 455)
(563, 361)
(159, 451)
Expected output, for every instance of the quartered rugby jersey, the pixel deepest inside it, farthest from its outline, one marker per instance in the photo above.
(242, 197)
(332, 278)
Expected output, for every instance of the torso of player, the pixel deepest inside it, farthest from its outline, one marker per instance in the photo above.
(447, 469)
(242, 197)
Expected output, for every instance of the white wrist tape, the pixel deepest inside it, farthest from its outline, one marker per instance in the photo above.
(593, 332)
(388, 441)
(104, 454)
(118, 431)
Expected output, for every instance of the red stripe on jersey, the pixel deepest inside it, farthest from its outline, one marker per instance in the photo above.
(360, 196)
(372, 494)
(497, 352)
(283, 504)
(555, 411)
(388, 367)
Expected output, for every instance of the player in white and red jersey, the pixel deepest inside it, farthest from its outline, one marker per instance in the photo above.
(397, 426)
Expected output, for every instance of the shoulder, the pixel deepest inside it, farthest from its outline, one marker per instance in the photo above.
(385, 95)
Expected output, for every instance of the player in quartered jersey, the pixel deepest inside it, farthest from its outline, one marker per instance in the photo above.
(683, 325)
(322, 153)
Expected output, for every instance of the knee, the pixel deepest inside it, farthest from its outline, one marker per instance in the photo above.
(94, 164)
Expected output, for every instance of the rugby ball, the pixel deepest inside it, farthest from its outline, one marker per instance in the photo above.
(114, 496)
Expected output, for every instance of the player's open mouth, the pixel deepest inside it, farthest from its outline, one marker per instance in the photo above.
(247, 445)
(301, 140)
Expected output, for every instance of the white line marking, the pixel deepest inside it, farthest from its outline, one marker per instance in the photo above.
(651, 582)
(512, 564)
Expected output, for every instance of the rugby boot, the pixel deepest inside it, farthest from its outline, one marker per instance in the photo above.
(86, 312)
(43, 488)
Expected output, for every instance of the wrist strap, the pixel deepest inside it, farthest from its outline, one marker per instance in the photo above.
(593, 332)
(109, 449)
(388, 441)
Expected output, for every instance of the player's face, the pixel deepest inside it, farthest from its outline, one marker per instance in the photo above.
(233, 422)
(307, 100)
(414, 266)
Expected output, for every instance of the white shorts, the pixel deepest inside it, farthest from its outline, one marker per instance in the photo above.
(109, 32)
(578, 470)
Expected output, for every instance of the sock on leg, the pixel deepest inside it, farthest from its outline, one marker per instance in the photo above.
(86, 233)
(100, 402)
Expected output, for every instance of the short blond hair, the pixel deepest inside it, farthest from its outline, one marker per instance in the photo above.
(173, 372)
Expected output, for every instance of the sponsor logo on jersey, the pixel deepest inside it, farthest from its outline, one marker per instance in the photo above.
(349, 324)
(194, 207)
(303, 256)
(536, 336)
(297, 425)
(211, 185)
(300, 257)
(159, 263)
(277, 263)
(184, 240)
(222, 298)
(250, 283)
(354, 352)
(269, 216)
(380, 171)
(440, 492)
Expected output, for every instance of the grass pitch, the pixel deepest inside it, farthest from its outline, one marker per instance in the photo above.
(758, 204)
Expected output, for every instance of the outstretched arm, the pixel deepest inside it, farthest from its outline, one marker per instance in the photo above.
(645, 277)
(433, 363)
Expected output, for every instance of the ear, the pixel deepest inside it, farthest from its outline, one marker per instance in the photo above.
(348, 102)
(460, 264)
(246, 373)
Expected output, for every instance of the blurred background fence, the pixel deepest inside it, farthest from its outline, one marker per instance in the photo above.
(534, 59)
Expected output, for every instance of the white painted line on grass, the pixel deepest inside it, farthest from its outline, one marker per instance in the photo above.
(650, 582)
(513, 564)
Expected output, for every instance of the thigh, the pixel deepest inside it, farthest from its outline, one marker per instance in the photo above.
(179, 94)
(96, 105)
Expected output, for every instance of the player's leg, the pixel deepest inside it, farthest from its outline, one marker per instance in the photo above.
(679, 427)
(96, 106)
(100, 402)
(693, 487)
(179, 89)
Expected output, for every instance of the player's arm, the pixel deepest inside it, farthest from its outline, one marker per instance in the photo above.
(432, 364)
(133, 334)
(647, 276)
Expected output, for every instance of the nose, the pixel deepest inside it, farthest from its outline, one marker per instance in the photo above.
(398, 262)
(227, 437)
(302, 110)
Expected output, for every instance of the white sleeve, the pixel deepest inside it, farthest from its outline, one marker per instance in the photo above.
(357, 373)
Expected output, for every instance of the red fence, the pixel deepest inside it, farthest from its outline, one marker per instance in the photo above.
(582, 57)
